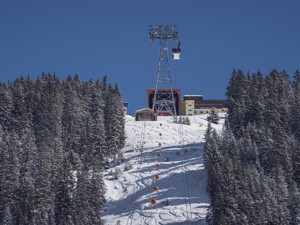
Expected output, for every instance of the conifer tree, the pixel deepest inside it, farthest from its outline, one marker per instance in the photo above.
(10, 180)
(115, 129)
(295, 105)
(18, 109)
(28, 172)
(259, 152)
(53, 146)
(213, 116)
(81, 199)
(5, 106)
(96, 197)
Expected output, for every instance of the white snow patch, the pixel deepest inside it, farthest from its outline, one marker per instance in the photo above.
(182, 197)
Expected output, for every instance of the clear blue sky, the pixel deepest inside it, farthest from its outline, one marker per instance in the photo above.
(94, 38)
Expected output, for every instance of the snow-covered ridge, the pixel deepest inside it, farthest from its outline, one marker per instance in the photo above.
(181, 196)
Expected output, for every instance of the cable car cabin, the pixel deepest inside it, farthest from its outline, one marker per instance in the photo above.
(176, 53)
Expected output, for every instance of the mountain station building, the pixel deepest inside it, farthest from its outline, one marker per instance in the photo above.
(197, 105)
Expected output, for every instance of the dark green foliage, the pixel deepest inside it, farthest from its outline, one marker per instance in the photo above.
(253, 166)
(54, 141)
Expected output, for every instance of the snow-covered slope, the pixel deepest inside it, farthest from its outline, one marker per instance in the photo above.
(181, 196)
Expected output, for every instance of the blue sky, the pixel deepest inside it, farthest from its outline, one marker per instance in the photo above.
(94, 38)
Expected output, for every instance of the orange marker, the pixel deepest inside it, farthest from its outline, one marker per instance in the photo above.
(153, 201)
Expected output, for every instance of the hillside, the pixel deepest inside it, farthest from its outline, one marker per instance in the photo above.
(182, 197)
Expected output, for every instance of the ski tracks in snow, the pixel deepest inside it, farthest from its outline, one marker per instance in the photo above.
(181, 198)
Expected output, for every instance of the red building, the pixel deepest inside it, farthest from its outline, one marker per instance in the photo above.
(176, 92)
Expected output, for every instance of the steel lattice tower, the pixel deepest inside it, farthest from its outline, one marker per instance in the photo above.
(164, 101)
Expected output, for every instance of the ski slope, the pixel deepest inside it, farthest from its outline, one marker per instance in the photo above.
(181, 197)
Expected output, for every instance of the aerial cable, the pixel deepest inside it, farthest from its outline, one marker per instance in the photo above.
(176, 68)
(144, 154)
(150, 66)
(187, 194)
(149, 73)
(180, 130)
(176, 72)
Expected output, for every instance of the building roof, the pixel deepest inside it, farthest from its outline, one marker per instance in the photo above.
(144, 109)
(193, 95)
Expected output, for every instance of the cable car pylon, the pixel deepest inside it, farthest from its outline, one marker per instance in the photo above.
(164, 102)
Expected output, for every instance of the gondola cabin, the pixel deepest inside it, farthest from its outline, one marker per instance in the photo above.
(176, 53)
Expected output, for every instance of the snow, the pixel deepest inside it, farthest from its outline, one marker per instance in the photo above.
(182, 182)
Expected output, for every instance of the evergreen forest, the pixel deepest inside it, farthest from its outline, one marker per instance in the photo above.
(56, 137)
(253, 165)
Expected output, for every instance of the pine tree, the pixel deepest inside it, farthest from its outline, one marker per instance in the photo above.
(10, 182)
(211, 148)
(280, 191)
(295, 105)
(96, 198)
(47, 123)
(18, 109)
(73, 118)
(96, 133)
(236, 101)
(294, 203)
(249, 151)
(28, 172)
(115, 129)
(259, 152)
(5, 106)
(213, 116)
(53, 145)
(8, 217)
(81, 199)
(65, 190)
(255, 104)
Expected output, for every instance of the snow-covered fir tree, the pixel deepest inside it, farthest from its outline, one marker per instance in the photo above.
(253, 165)
(213, 116)
(53, 147)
